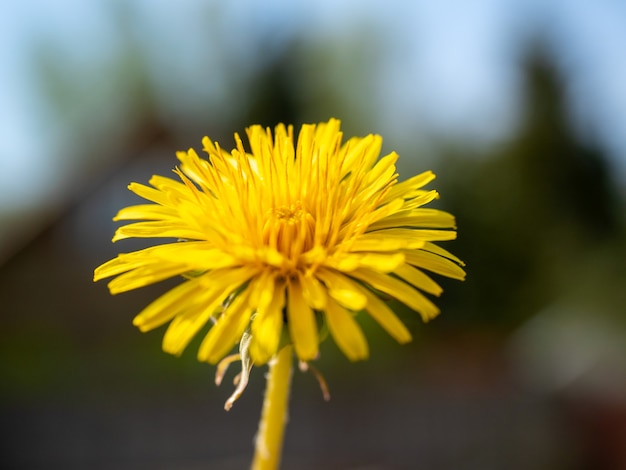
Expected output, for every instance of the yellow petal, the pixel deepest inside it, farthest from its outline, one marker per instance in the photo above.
(430, 218)
(383, 171)
(379, 311)
(361, 151)
(417, 278)
(419, 198)
(196, 256)
(435, 263)
(205, 290)
(151, 194)
(346, 332)
(344, 262)
(144, 276)
(348, 298)
(157, 229)
(185, 326)
(411, 235)
(342, 289)
(261, 291)
(386, 210)
(114, 267)
(173, 189)
(409, 185)
(145, 212)
(385, 317)
(441, 252)
(227, 331)
(194, 167)
(267, 326)
(313, 291)
(302, 325)
(375, 241)
(382, 262)
(195, 313)
(399, 290)
(167, 306)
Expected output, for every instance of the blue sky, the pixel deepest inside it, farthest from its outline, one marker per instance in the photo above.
(448, 66)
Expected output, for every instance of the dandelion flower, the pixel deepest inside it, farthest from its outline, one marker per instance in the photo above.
(284, 239)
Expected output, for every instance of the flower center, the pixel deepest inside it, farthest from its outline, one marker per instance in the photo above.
(289, 229)
(289, 215)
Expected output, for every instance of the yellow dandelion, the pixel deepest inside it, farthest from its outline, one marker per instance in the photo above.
(283, 239)
(277, 242)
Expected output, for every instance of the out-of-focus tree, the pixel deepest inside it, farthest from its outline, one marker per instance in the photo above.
(531, 212)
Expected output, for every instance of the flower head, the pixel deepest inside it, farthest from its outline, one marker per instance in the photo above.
(281, 239)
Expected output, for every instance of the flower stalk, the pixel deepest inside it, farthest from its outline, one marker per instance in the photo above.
(269, 440)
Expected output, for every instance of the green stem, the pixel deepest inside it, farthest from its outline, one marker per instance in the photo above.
(269, 440)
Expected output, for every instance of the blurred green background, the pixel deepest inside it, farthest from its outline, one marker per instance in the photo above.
(519, 107)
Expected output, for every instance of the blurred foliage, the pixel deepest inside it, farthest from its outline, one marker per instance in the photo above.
(533, 216)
